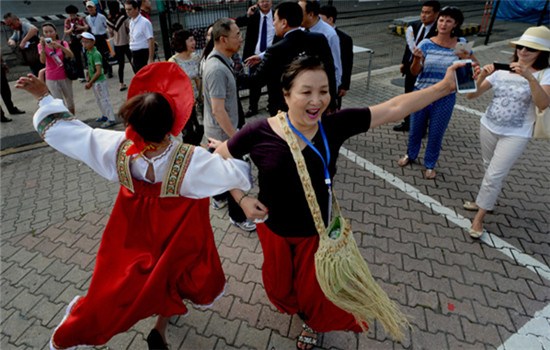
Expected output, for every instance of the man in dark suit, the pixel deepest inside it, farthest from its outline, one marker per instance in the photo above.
(417, 31)
(259, 36)
(328, 14)
(286, 20)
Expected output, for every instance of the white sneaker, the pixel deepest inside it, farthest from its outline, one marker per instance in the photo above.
(107, 124)
(246, 225)
(217, 205)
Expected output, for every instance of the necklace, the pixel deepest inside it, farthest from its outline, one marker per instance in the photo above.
(155, 148)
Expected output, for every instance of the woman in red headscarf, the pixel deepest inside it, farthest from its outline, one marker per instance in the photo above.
(158, 247)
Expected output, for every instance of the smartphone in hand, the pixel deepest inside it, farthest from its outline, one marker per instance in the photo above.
(464, 77)
(502, 66)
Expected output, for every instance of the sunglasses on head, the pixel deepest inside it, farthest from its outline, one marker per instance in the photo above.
(521, 47)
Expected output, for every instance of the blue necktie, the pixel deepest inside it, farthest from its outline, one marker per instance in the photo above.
(263, 35)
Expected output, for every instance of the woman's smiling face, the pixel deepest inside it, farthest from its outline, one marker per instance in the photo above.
(308, 97)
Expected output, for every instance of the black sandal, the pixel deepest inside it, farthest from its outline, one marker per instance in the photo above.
(307, 340)
(155, 341)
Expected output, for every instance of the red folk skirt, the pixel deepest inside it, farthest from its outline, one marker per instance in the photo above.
(154, 253)
(291, 285)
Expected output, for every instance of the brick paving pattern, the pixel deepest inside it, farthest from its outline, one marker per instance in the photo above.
(458, 292)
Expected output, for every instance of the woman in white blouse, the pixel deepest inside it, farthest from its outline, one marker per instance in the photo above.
(507, 125)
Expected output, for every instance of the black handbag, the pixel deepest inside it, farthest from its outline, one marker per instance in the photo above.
(71, 71)
(30, 53)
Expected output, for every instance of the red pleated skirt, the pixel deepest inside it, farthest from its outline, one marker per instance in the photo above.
(155, 252)
(291, 285)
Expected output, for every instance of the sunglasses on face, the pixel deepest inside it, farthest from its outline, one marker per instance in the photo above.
(521, 47)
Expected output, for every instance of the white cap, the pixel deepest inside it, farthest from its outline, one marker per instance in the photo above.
(90, 3)
(88, 36)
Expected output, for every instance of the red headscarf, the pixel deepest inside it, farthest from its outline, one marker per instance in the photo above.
(169, 80)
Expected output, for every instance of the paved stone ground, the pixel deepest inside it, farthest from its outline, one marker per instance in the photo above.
(460, 293)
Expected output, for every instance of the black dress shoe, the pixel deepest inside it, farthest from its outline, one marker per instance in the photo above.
(155, 342)
(403, 126)
(5, 119)
(251, 113)
(16, 110)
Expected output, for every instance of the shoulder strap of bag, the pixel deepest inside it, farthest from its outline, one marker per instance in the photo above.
(305, 178)
(224, 62)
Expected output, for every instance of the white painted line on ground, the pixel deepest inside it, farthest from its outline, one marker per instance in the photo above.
(534, 335)
(528, 336)
(488, 238)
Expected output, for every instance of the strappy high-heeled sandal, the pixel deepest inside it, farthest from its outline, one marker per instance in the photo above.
(310, 341)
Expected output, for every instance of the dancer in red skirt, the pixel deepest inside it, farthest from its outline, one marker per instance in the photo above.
(288, 237)
(158, 247)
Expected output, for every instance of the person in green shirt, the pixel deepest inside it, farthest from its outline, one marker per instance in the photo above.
(97, 82)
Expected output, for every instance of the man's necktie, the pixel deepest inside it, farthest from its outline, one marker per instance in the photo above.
(421, 35)
(263, 35)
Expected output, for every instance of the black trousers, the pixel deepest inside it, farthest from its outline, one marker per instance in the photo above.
(139, 59)
(120, 51)
(76, 48)
(101, 44)
(255, 92)
(6, 92)
(233, 209)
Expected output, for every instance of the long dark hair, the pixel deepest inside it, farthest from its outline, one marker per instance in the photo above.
(115, 13)
(209, 45)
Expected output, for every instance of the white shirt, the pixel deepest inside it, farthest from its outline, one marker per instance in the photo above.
(270, 31)
(512, 110)
(141, 30)
(411, 39)
(334, 43)
(208, 174)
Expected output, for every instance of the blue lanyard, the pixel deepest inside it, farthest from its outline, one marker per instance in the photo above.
(328, 181)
